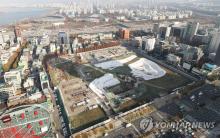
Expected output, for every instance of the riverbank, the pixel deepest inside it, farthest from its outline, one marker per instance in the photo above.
(11, 16)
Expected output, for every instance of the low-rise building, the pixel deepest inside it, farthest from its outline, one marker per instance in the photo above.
(13, 77)
(29, 83)
(103, 36)
(44, 81)
(137, 42)
(173, 59)
(191, 54)
(209, 67)
(45, 40)
(5, 57)
(9, 90)
(1, 68)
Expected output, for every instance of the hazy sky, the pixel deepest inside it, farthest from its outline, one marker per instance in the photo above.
(11, 2)
(28, 1)
(45, 1)
(14, 2)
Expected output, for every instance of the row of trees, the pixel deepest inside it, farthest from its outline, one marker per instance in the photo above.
(15, 58)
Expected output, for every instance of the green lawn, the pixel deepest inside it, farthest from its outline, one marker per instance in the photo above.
(154, 88)
(170, 81)
(146, 92)
(65, 71)
(69, 68)
(91, 73)
(87, 117)
(125, 70)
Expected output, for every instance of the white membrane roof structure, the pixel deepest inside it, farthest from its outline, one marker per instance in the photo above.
(112, 64)
(105, 81)
(146, 69)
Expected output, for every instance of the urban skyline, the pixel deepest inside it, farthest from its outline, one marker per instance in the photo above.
(25, 2)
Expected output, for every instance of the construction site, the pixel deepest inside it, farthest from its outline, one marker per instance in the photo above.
(81, 104)
(108, 81)
(130, 80)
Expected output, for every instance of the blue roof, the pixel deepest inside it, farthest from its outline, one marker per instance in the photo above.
(210, 65)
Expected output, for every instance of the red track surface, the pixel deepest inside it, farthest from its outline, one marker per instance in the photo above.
(16, 132)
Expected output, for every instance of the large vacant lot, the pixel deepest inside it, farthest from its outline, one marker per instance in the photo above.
(86, 118)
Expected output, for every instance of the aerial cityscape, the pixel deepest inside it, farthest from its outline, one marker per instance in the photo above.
(110, 69)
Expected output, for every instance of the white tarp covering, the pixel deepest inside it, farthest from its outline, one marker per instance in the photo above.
(112, 64)
(146, 69)
(105, 81)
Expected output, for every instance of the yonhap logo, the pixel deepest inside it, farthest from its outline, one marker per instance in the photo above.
(146, 124)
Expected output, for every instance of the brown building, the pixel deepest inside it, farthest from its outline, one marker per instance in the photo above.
(124, 33)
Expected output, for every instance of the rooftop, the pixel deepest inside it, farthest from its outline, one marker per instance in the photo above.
(76, 96)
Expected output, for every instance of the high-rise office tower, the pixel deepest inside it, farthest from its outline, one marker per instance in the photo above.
(190, 31)
(217, 57)
(63, 38)
(214, 48)
(215, 42)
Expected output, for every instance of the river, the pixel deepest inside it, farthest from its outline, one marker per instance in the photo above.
(14, 15)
